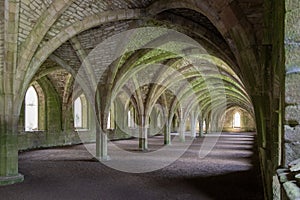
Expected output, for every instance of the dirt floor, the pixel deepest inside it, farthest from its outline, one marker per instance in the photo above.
(230, 171)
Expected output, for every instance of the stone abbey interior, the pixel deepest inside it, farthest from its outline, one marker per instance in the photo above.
(152, 99)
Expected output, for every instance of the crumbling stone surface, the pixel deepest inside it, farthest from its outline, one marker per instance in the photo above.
(292, 190)
(290, 181)
(295, 166)
(292, 86)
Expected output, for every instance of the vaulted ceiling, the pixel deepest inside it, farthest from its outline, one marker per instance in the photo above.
(62, 33)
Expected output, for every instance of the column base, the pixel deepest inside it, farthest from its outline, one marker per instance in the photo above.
(144, 150)
(8, 180)
(103, 158)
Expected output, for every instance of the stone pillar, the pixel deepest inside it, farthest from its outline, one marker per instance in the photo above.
(143, 133)
(153, 122)
(201, 134)
(181, 130)
(101, 144)
(92, 121)
(101, 128)
(264, 131)
(207, 125)
(193, 125)
(214, 122)
(8, 118)
(167, 133)
(122, 117)
(8, 143)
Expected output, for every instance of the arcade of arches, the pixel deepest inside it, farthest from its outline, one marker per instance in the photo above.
(245, 77)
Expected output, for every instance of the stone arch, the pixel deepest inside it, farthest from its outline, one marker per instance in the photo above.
(41, 109)
(53, 121)
(79, 31)
(236, 121)
(95, 20)
(247, 120)
(92, 22)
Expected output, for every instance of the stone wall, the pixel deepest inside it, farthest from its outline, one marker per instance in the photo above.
(43, 139)
(1, 78)
(285, 185)
(292, 86)
(1, 37)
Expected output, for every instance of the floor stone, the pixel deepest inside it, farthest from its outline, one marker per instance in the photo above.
(230, 171)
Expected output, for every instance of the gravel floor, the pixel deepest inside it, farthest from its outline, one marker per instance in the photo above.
(230, 171)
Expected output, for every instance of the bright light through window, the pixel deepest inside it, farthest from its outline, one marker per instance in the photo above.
(130, 115)
(159, 121)
(78, 113)
(129, 119)
(109, 121)
(31, 110)
(237, 120)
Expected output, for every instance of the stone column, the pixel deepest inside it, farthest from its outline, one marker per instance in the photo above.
(207, 126)
(214, 122)
(101, 144)
(193, 125)
(92, 120)
(8, 143)
(101, 127)
(167, 133)
(263, 117)
(153, 122)
(8, 116)
(201, 134)
(181, 130)
(143, 133)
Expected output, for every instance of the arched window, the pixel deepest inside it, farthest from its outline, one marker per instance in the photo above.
(204, 125)
(131, 117)
(109, 121)
(80, 109)
(78, 113)
(31, 110)
(237, 120)
(129, 122)
(159, 124)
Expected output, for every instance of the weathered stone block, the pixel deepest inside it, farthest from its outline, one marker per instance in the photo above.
(292, 190)
(293, 24)
(292, 55)
(292, 4)
(292, 114)
(292, 152)
(292, 133)
(294, 165)
(292, 89)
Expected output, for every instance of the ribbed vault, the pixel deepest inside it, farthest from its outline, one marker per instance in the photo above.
(180, 59)
(159, 70)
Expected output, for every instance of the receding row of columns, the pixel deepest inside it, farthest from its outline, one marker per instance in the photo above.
(144, 129)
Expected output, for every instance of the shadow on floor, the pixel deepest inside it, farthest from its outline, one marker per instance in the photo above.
(68, 173)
